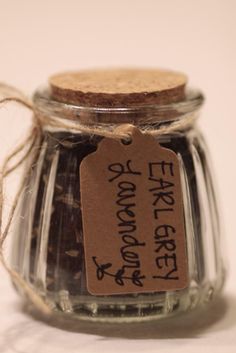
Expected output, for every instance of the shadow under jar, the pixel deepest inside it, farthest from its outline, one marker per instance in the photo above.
(48, 249)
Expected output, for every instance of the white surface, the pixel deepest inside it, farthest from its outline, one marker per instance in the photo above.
(38, 38)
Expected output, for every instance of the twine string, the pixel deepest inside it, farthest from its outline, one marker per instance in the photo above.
(25, 149)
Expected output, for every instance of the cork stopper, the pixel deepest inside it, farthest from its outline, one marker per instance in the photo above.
(118, 87)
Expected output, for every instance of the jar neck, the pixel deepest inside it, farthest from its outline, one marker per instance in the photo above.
(140, 115)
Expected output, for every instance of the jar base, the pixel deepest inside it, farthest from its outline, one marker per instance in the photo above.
(159, 306)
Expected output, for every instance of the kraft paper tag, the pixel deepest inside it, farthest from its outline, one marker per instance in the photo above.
(133, 222)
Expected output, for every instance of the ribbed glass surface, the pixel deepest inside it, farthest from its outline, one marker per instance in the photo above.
(48, 249)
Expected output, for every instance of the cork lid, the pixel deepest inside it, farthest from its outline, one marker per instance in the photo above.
(118, 87)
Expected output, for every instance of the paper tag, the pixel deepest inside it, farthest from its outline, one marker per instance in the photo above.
(133, 222)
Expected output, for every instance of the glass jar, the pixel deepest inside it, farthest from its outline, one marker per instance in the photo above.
(47, 249)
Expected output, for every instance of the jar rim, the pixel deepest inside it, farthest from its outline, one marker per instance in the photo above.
(46, 104)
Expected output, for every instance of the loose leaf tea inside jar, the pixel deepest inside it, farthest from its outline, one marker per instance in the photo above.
(121, 222)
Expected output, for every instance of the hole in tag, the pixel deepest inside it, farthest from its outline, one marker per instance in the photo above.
(126, 141)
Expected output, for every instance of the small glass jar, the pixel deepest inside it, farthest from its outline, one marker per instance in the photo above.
(47, 249)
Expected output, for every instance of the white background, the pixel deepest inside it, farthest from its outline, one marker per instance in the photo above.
(38, 38)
